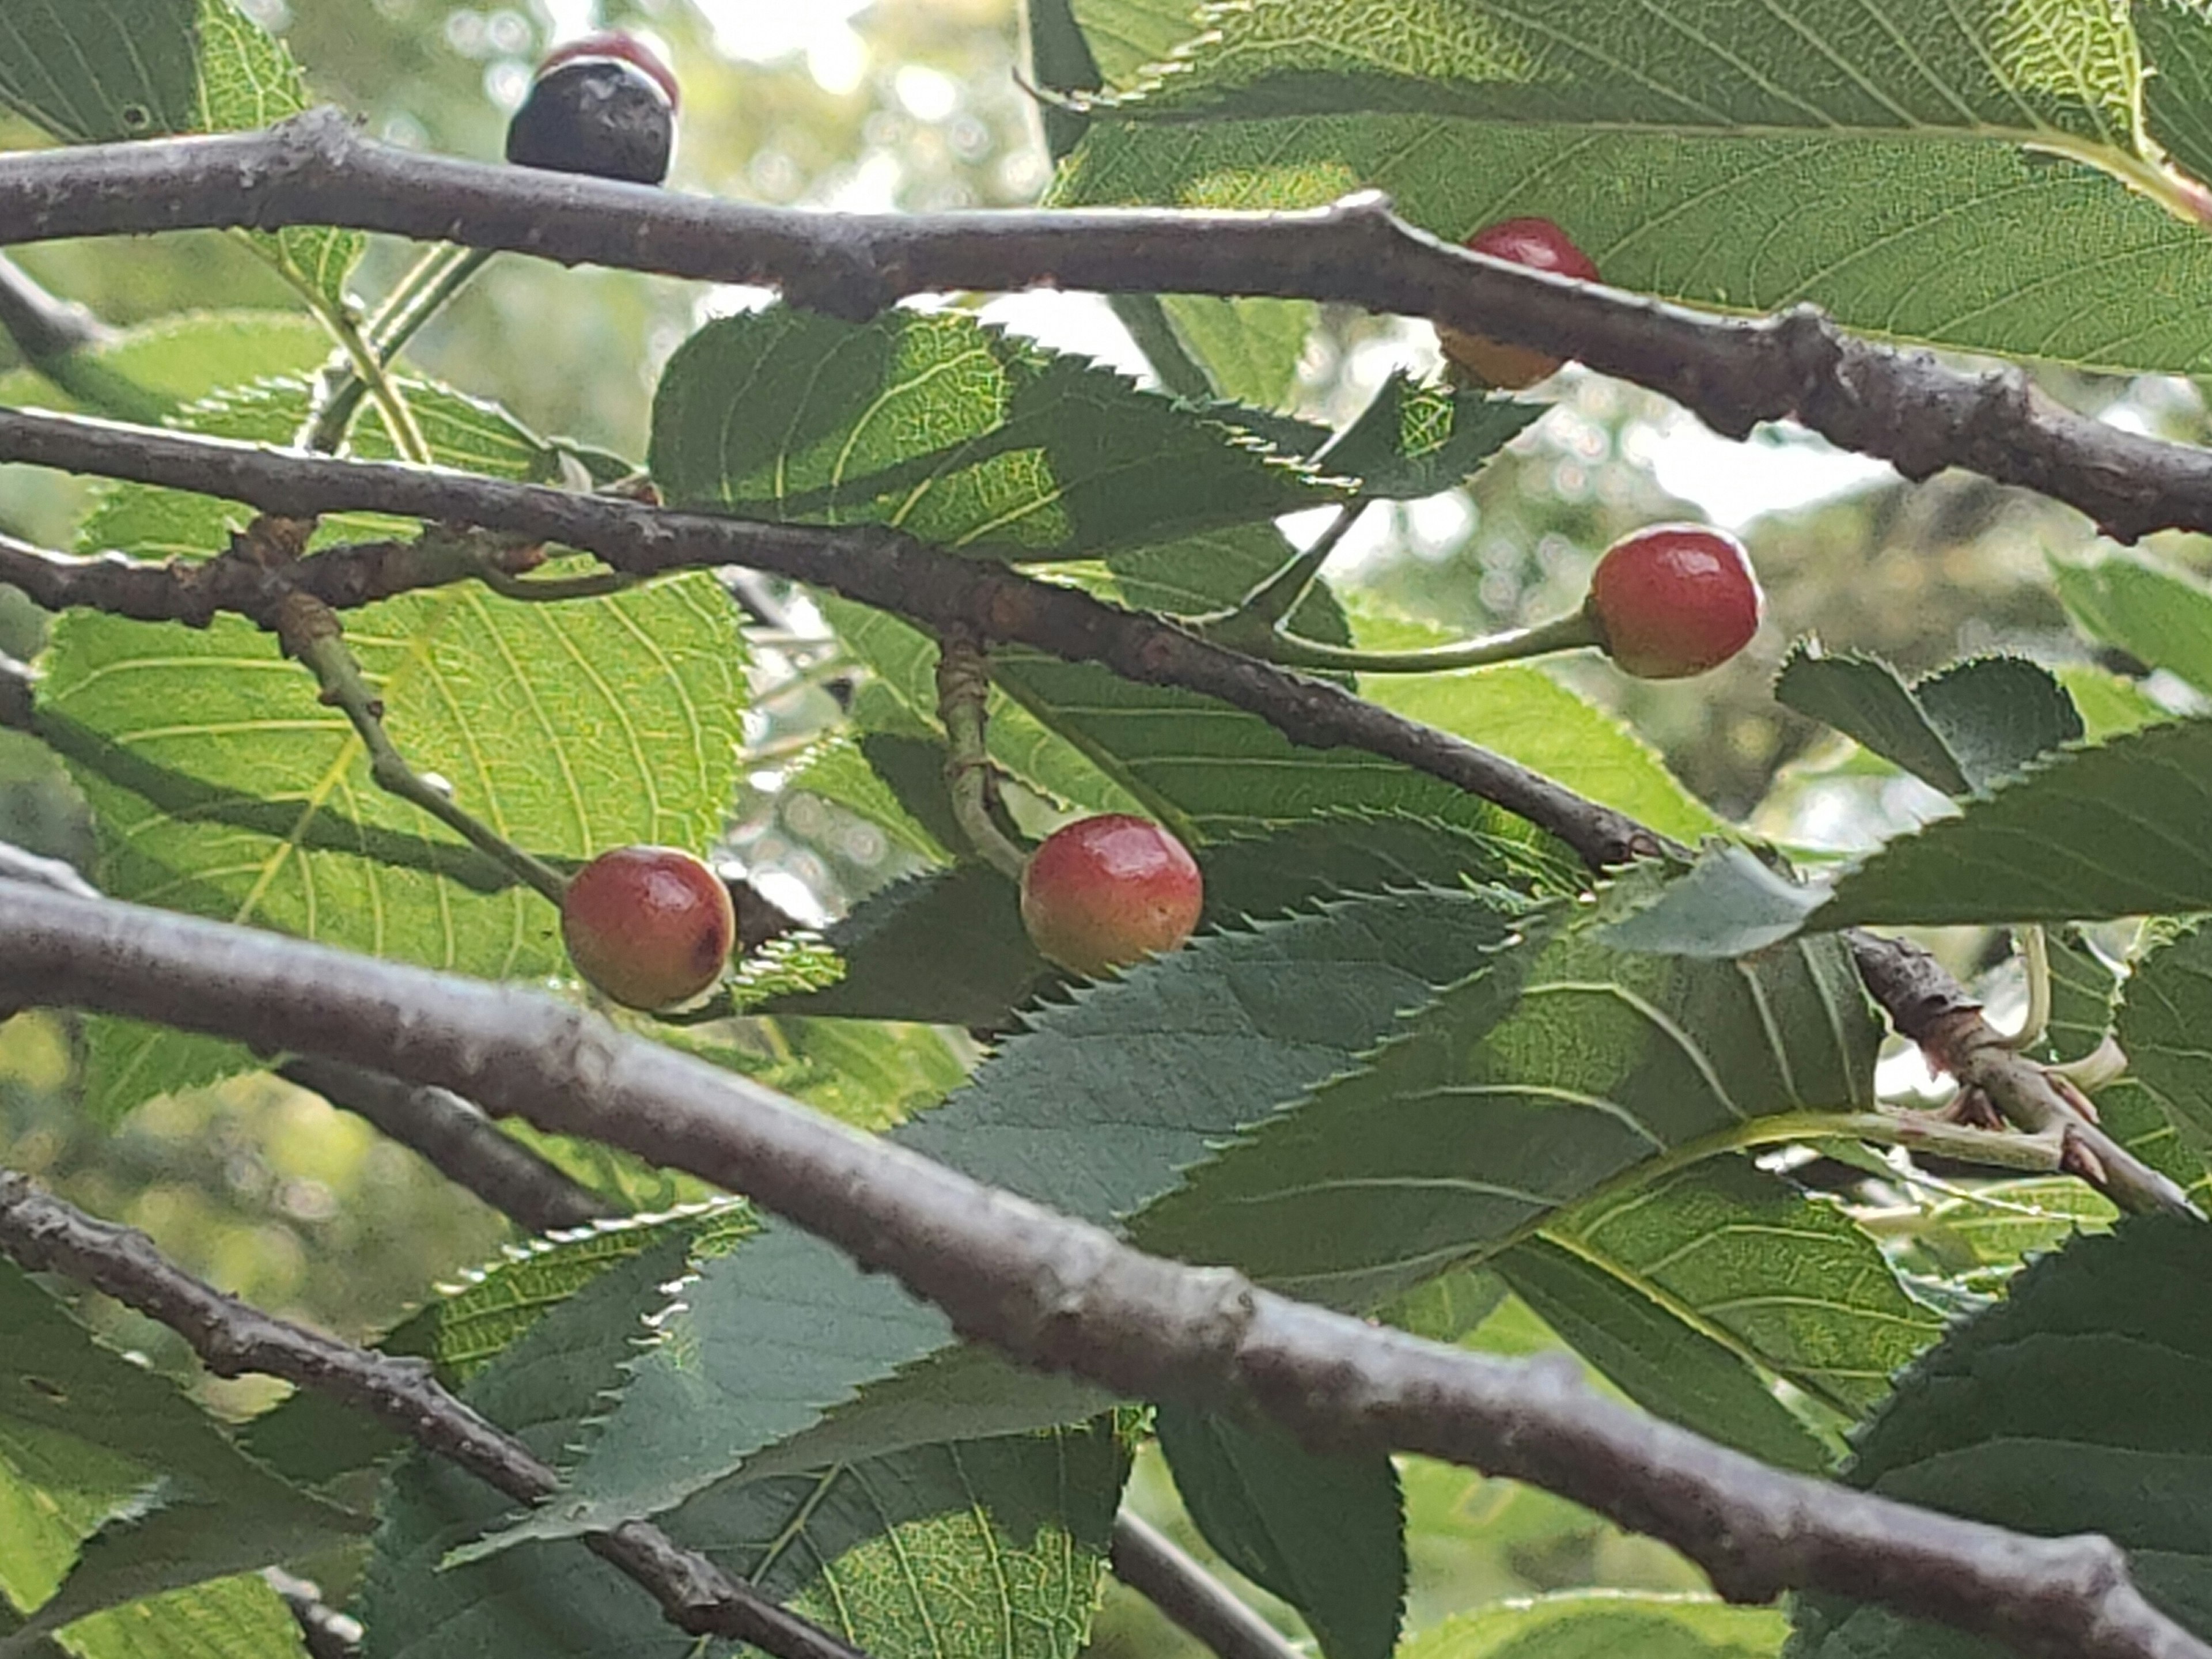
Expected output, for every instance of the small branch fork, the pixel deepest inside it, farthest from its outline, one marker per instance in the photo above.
(318, 168)
(1052, 1293)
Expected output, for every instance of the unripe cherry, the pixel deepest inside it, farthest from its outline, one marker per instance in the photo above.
(604, 106)
(1109, 891)
(1541, 246)
(649, 925)
(1673, 600)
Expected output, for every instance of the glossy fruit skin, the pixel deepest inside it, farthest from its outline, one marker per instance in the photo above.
(1671, 600)
(602, 106)
(649, 925)
(1107, 891)
(1541, 246)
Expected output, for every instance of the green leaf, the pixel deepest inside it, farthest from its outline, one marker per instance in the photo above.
(1095, 1109)
(1519, 1091)
(141, 374)
(2112, 830)
(1416, 439)
(1665, 1363)
(239, 1618)
(900, 963)
(1127, 35)
(1326, 1534)
(2013, 1420)
(2004, 1223)
(1959, 730)
(1446, 1308)
(87, 74)
(312, 1438)
(2177, 46)
(222, 786)
(2165, 1008)
(1250, 348)
(1791, 1282)
(904, 660)
(1525, 714)
(1945, 216)
(864, 774)
(2109, 703)
(248, 78)
(984, 1549)
(1059, 61)
(1604, 1625)
(2153, 613)
(1729, 904)
(952, 431)
(2083, 990)
(163, 1498)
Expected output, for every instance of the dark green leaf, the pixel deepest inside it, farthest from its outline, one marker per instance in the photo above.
(948, 948)
(1790, 1283)
(2153, 612)
(2076, 1405)
(180, 1504)
(1325, 1533)
(1664, 1363)
(92, 74)
(1416, 439)
(2113, 830)
(1958, 731)
(1517, 1093)
(2165, 1009)
(1729, 904)
(956, 433)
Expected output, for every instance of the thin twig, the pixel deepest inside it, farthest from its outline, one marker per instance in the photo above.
(1065, 1296)
(1733, 373)
(465, 1145)
(1152, 1564)
(42, 1233)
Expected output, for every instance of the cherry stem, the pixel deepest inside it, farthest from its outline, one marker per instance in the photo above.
(309, 630)
(418, 296)
(2035, 959)
(963, 689)
(1576, 629)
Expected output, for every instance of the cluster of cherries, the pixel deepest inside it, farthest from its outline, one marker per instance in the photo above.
(654, 927)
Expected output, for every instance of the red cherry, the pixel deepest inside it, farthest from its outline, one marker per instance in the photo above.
(1675, 600)
(629, 49)
(1541, 246)
(649, 925)
(1105, 891)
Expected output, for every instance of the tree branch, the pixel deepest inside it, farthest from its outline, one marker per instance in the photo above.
(317, 168)
(1149, 1562)
(874, 566)
(1062, 1295)
(43, 1233)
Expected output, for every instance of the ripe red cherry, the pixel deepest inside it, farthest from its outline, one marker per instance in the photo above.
(1541, 246)
(603, 106)
(1105, 891)
(1673, 600)
(649, 925)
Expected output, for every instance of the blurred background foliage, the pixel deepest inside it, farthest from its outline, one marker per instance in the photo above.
(918, 105)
